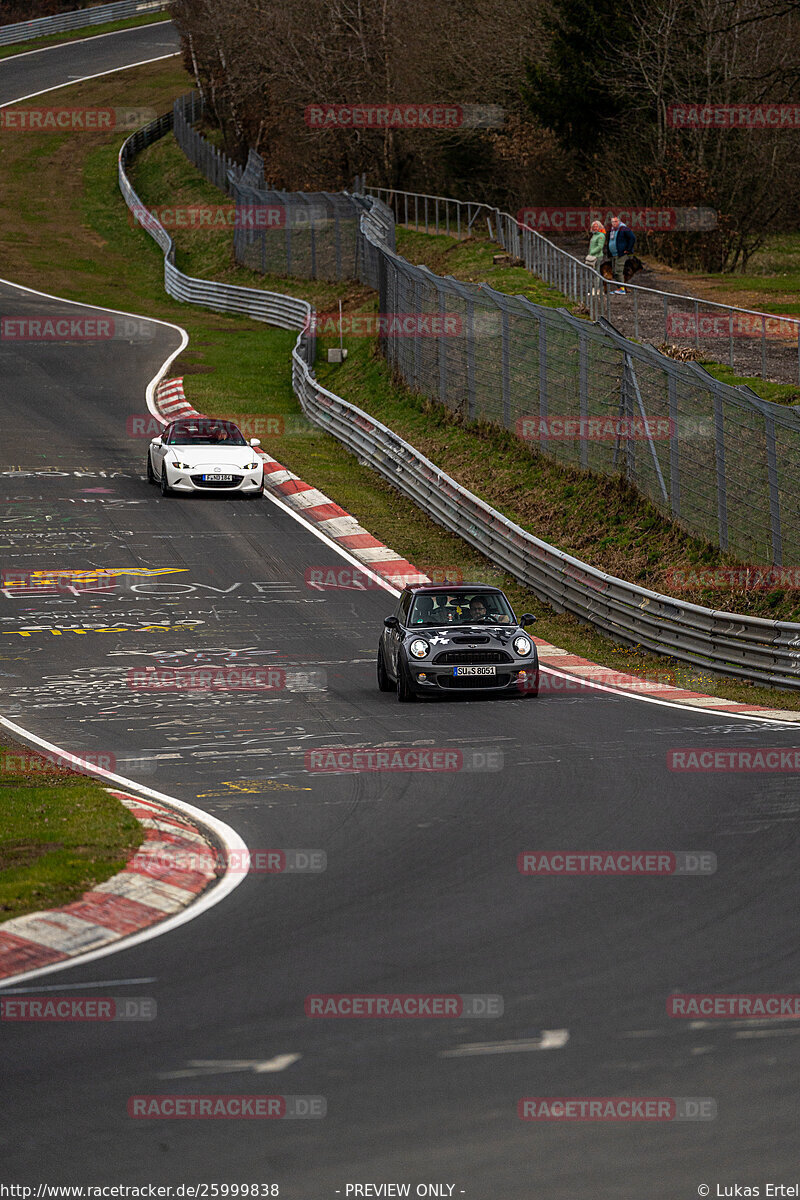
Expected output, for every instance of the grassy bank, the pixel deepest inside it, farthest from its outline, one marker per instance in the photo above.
(60, 833)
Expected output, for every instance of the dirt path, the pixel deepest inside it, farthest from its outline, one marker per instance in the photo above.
(656, 320)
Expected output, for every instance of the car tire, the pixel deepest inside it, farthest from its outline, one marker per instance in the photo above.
(384, 682)
(151, 475)
(166, 490)
(405, 692)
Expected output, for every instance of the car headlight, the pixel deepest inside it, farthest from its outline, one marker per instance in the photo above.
(418, 648)
(522, 646)
(252, 466)
(180, 466)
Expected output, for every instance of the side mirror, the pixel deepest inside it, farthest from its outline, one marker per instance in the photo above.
(391, 622)
(527, 619)
(255, 441)
(157, 442)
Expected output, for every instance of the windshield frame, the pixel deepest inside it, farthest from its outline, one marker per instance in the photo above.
(462, 601)
(179, 436)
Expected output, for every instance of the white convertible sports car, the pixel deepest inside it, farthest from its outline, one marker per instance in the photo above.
(202, 454)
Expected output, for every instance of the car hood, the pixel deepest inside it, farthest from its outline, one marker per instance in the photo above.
(216, 456)
(455, 636)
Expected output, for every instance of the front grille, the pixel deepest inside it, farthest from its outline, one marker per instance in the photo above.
(204, 483)
(473, 681)
(478, 657)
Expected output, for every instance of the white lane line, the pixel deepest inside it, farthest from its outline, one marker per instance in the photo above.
(227, 1066)
(765, 1033)
(77, 42)
(65, 987)
(228, 836)
(83, 79)
(706, 711)
(551, 1039)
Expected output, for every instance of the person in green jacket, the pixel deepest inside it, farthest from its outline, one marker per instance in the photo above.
(597, 245)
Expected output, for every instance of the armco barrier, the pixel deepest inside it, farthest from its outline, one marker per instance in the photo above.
(80, 18)
(735, 645)
(272, 307)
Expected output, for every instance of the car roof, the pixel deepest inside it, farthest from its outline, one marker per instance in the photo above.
(451, 589)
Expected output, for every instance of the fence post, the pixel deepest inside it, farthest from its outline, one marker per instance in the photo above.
(583, 395)
(722, 495)
(543, 441)
(506, 367)
(774, 495)
(470, 336)
(674, 447)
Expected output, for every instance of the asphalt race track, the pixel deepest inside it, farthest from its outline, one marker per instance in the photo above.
(421, 892)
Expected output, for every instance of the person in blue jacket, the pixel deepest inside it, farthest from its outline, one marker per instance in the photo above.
(621, 241)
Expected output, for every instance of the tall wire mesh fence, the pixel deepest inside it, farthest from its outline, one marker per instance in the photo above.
(718, 459)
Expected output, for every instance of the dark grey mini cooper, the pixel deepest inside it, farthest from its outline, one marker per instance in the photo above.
(456, 638)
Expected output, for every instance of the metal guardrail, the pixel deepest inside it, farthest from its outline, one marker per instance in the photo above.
(272, 307)
(735, 645)
(756, 341)
(81, 18)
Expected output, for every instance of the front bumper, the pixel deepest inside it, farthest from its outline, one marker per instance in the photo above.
(191, 481)
(508, 677)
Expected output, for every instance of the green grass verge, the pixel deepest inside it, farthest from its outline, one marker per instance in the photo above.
(235, 365)
(56, 39)
(61, 834)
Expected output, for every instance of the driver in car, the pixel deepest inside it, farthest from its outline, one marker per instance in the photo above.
(477, 609)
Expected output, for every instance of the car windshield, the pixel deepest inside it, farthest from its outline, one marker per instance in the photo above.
(205, 433)
(461, 608)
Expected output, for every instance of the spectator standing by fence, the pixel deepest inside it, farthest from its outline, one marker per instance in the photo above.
(597, 245)
(621, 241)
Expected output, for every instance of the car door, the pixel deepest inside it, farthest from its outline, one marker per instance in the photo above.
(158, 449)
(394, 637)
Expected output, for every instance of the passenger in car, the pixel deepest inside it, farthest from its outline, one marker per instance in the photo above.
(423, 611)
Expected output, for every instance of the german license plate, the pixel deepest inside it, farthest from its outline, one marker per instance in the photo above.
(217, 478)
(473, 671)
